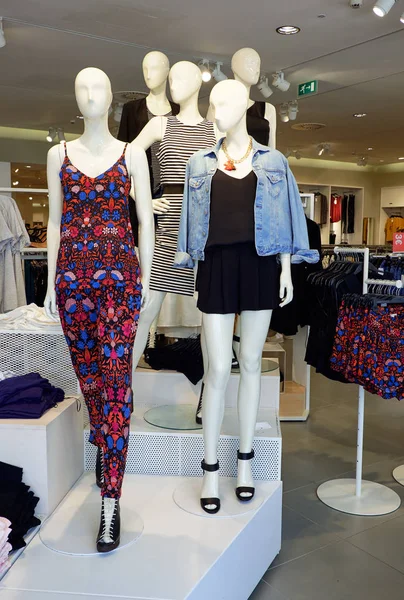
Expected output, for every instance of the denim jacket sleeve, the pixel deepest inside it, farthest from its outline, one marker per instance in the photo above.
(182, 258)
(300, 239)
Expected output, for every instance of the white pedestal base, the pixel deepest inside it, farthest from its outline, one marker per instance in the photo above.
(187, 496)
(398, 474)
(73, 527)
(376, 499)
(178, 556)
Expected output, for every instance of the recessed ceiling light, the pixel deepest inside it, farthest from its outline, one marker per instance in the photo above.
(30, 198)
(370, 148)
(28, 166)
(15, 182)
(359, 115)
(401, 158)
(16, 170)
(288, 30)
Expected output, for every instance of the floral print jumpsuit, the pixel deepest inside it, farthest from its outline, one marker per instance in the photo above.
(98, 293)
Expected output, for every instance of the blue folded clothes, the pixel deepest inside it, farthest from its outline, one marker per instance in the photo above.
(27, 397)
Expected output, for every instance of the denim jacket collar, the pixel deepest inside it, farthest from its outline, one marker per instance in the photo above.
(213, 152)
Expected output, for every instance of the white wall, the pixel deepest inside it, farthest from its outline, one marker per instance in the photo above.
(5, 174)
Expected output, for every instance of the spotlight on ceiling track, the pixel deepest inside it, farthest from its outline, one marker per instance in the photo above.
(61, 135)
(51, 135)
(383, 7)
(218, 74)
(362, 161)
(280, 82)
(288, 153)
(297, 154)
(402, 18)
(264, 87)
(323, 149)
(205, 70)
(293, 109)
(356, 3)
(2, 36)
(284, 112)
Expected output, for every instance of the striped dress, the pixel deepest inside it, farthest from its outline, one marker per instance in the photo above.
(179, 143)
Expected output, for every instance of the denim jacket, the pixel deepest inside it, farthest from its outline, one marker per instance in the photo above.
(280, 224)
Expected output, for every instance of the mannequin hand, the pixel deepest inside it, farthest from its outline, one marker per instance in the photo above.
(50, 305)
(286, 289)
(145, 297)
(161, 206)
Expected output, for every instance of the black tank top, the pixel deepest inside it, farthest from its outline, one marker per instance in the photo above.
(232, 209)
(257, 124)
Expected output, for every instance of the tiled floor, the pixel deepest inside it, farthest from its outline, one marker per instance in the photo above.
(327, 554)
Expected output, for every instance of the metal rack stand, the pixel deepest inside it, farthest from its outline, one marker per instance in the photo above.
(358, 496)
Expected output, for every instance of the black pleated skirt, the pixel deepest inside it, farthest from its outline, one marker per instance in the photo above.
(234, 278)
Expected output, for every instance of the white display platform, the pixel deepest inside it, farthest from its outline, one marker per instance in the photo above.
(44, 352)
(398, 474)
(178, 556)
(155, 388)
(156, 451)
(49, 449)
(375, 499)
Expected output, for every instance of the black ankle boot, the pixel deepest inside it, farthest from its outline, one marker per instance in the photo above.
(109, 534)
(99, 468)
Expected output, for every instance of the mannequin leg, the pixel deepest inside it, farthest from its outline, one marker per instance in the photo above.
(146, 319)
(254, 328)
(218, 336)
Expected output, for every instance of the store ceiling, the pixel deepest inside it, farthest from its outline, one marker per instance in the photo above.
(356, 57)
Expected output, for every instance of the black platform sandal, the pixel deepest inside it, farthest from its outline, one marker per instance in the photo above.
(242, 489)
(109, 534)
(234, 362)
(205, 502)
(198, 415)
(99, 468)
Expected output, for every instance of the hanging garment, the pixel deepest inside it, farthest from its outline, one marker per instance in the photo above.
(99, 297)
(257, 125)
(184, 356)
(279, 221)
(287, 319)
(17, 504)
(320, 209)
(369, 344)
(344, 214)
(392, 226)
(13, 238)
(180, 142)
(336, 208)
(27, 397)
(351, 214)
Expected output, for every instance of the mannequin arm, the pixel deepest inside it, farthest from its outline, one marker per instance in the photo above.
(152, 132)
(139, 170)
(53, 237)
(286, 286)
(270, 115)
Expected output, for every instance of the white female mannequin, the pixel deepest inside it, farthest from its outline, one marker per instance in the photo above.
(230, 101)
(87, 161)
(156, 68)
(246, 67)
(185, 82)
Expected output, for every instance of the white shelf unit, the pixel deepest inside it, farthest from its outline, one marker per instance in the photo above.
(391, 204)
(327, 190)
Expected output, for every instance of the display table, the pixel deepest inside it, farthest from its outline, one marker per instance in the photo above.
(49, 450)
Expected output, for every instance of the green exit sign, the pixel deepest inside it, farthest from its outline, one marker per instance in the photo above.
(305, 89)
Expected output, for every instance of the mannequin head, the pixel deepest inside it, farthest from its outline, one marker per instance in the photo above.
(229, 100)
(185, 81)
(246, 66)
(156, 67)
(93, 93)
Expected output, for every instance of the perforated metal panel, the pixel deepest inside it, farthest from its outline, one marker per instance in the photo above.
(44, 352)
(181, 455)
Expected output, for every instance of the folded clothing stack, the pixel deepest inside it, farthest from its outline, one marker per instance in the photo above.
(5, 546)
(17, 505)
(27, 397)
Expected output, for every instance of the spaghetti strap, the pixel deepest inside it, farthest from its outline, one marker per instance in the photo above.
(65, 145)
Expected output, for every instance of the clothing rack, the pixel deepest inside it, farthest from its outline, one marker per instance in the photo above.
(358, 496)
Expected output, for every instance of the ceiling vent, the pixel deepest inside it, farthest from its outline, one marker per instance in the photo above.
(122, 97)
(308, 126)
